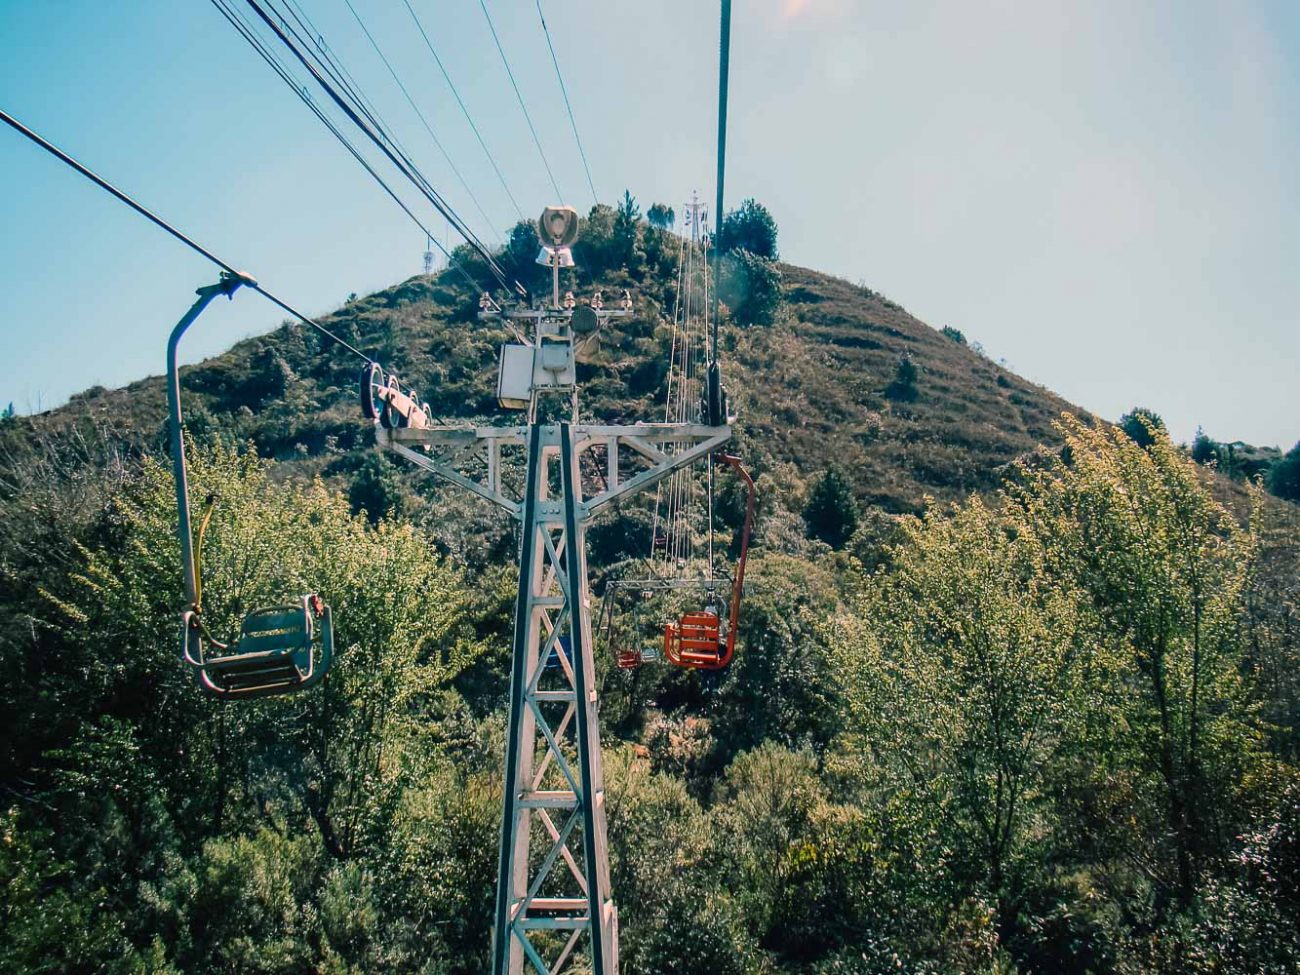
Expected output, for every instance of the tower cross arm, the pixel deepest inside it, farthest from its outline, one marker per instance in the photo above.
(694, 440)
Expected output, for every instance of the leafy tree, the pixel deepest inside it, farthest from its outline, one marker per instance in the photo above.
(1284, 478)
(138, 771)
(595, 250)
(1164, 569)
(625, 241)
(376, 490)
(1143, 426)
(749, 227)
(751, 288)
(779, 687)
(7, 413)
(953, 333)
(903, 386)
(968, 657)
(831, 512)
(519, 257)
(1206, 451)
(660, 216)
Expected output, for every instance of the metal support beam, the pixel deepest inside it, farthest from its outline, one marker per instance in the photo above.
(553, 766)
(554, 906)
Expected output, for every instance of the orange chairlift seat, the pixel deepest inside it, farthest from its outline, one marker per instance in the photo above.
(698, 639)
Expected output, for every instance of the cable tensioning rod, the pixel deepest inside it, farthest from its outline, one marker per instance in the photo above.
(404, 167)
(357, 105)
(420, 115)
(339, 74)
(513, 84)
(465, 111)
(164, 225)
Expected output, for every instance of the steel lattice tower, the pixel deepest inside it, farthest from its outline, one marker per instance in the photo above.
(554, 902)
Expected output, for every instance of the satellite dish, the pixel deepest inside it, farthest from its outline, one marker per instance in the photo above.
(584, 320)
(558, 226)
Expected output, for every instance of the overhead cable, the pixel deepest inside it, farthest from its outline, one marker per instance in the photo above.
(164, 225)
(269, 56)
(527, 118)
(398, 159)
(419, 114)
(465, 111)
(565, 92)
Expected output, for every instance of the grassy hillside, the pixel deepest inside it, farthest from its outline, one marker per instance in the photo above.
(1053, 730)
(808, 389)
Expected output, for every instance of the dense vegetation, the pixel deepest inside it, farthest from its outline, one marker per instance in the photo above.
(1048, 722)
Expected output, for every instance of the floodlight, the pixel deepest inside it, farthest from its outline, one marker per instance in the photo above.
(558, 227)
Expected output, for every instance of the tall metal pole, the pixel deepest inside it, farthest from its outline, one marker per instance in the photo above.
(724, 70)
(716, 404)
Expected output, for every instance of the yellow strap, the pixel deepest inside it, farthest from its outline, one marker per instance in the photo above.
(210, 505)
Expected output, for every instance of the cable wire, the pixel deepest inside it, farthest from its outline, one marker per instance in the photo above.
(565, 92)
(404, 165)
(527, 118)
(247, 32)
(465, 111)
(423, 121)
(164, 225)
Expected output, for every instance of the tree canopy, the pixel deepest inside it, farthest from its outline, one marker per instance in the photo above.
(749, 227)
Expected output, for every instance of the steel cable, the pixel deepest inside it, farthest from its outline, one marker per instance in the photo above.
(164, 225)
(565, 92)
(527, 118)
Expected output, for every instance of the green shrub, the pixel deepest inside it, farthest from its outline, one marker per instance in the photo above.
(1143, 426)
(1284, 478)
(831, 513)
(902, 387)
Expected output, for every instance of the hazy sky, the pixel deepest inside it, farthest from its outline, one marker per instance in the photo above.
(1104, 194)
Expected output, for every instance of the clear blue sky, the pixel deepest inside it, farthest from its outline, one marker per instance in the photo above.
(1105, 194)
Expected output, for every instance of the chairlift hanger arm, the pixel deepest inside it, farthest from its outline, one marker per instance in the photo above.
(277, 650)
(227, 285)
(738, 581)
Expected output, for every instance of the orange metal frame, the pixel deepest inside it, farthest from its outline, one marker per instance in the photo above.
(695, 641)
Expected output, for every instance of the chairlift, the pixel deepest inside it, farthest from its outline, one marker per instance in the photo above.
(629, 648)
(699, 640)
(280, 648)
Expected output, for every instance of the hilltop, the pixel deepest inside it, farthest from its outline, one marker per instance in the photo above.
(809, 389)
